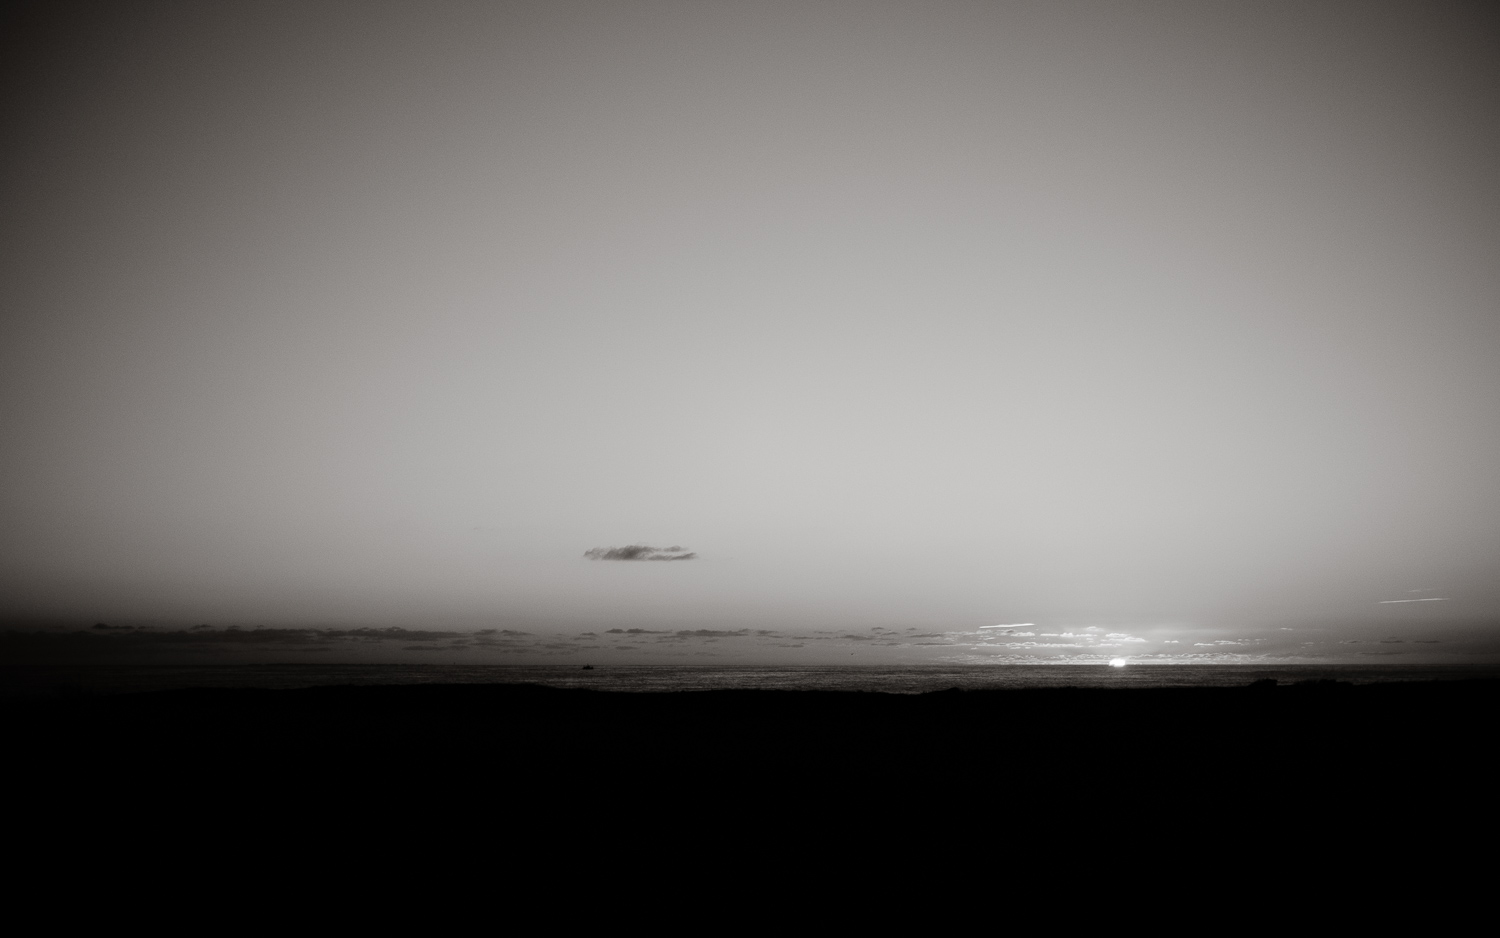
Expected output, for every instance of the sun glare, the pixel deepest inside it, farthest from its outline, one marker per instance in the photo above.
(1117, 662)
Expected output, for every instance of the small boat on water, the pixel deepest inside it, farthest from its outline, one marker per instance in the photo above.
(588, 667)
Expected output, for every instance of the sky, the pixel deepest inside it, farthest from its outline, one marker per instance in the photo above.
(1176, 322)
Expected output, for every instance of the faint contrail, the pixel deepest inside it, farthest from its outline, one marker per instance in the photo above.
(1427, 599)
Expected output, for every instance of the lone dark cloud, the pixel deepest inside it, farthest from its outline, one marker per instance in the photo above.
(639, 552)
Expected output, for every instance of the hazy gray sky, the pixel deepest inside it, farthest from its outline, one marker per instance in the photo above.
(1175, 320)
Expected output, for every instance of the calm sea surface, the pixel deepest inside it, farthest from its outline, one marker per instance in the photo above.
(107, 679)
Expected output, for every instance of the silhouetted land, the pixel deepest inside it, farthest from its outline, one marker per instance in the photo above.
(1321, 742)
(247, 793)
(493, 785)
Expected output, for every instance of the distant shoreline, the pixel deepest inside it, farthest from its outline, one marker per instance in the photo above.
(106, 678)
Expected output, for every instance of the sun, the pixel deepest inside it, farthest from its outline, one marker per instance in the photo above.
(1117, 662)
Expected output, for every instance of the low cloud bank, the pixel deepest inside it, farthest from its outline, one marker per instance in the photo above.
(131, 643)
(639, 552)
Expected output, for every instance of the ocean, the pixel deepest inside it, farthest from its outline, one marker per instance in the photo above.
(113, 679)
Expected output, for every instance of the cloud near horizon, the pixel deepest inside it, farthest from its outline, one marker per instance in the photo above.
(639, 552)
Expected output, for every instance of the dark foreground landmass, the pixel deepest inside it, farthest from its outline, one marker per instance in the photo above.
(492, 786)
(1301, 743)
(525, 796)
